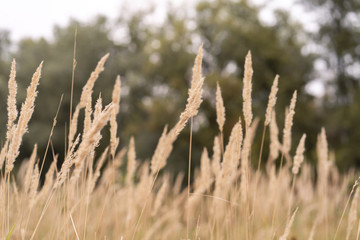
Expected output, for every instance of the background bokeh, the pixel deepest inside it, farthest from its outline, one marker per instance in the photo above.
(318, 55)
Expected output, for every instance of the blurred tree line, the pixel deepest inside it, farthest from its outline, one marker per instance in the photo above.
(338, 43)
(155, 61)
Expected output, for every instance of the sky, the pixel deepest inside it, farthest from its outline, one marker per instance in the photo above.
(36, 18)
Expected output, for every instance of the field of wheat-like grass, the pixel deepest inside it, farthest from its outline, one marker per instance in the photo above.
(90, 198)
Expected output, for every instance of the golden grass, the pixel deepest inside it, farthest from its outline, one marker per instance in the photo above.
(90, 198)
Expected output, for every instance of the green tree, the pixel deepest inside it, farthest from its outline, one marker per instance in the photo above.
(338, 39)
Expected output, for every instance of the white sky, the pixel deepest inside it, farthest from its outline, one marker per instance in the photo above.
(36, 18)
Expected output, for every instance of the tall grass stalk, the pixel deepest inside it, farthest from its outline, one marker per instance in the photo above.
(189, 180)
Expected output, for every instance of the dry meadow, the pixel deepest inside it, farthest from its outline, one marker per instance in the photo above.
(91, 197)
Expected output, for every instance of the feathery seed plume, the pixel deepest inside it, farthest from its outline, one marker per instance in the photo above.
(215, 161)
(73, 126)
(288, 125)
(158, 160)
(131, 164)
(272, 100)
(220, 109)
(323, 150)
(92, 181)
(194, 100)
(98, 107)
(245, 154)
(205, 168)
(299, 157)
(114, 141)
(247, 88)
(65, 167)
(88, 113)
(88, 88)
(90, 141)
(84, 98)
(195, 96)
(11, 101)
(3, 152)
(232, 153)
(26, 112)
(274, 140)
(34, 187)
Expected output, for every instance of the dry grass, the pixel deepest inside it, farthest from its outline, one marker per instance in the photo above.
(228, 199)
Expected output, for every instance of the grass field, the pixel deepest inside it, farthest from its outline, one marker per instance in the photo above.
(92, 198)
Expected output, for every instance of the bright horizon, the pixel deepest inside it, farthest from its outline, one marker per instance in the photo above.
(37, 18)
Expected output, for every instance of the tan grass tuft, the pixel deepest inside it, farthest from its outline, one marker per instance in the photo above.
(216, 157)
(299, 157)
(65, 168)
(158, 160)
(3, 152)
(114, 141)
(220, 109)
(245, 160)
(11, 101)
(88, 88)
(131, 164)
(205, 169)
(195, 95)
(26, 112)
(88, 113)
(34, 187)
(272, 101)
(100, 163)
(247, 88)
(232, 153)
(288, 125)
(274, 139)
(323, 163)
(73, 126)
(98, 107)
(89, 141)
(194, 100)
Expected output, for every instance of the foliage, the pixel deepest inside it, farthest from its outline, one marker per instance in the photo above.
(338, 43)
